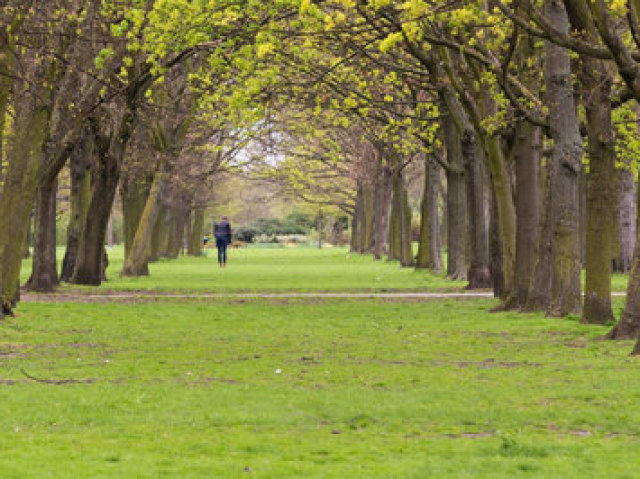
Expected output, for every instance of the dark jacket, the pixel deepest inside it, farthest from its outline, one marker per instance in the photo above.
(222, 231)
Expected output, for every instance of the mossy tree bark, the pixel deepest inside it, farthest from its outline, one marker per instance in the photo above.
(395, 216)
(600, 199)
(596, 82)
(355, 219)
(501, 180)
(44, 272)
(457, 222)
(170, 250)
(110, 150)
(406, 232)
(435, 226)
(24, 157)
(89, 261)
(381, 211)
(539, 294)
(477, 107)
(180, 231)
(626, 220)
(137, 261)
(158, 235)
(479, 275)
(366, 231)
(134, 192)
(194, 247)
(582, 220)
(526, 153)
(629, 325)
(429, 245)
(497, 255)
(110, 142)
(168, 223)
(79, 198)
(7, 66)
(28, 240)
(567, 155)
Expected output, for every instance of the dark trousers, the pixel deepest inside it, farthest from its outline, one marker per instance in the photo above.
(222, 250)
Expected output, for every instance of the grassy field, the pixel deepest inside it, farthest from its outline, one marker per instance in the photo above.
(278, 269)
(272, 269)
(302, 388)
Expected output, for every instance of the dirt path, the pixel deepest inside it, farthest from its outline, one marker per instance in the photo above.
(137, 296)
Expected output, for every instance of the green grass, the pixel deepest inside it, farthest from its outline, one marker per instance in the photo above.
(293, 388)
(279, 269)
(307, 389)
(272, 269)
(618, 282)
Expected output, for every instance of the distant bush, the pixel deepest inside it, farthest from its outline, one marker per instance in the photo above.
(270, 229)
(297, 223)
(245, 234)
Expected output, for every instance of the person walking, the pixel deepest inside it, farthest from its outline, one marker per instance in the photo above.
(222, 233)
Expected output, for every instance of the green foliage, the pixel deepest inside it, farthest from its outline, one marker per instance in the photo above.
(627, 139)
(102, 57)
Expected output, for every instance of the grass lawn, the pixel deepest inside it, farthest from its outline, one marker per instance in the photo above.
(271, 269)
(278, 269)
(299, 388)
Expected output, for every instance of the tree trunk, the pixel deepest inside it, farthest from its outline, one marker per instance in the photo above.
(582, 192)
(355, 220)
(526, 150)
(435, 229)
(167, 231)
(89, 262)
(169, 247)
(24, 156)
(395, 217)
(406, 232)
(366, 230)
(457, 231)
(539, 295)
(600, 199)
(80, 196)
(133, 193)
(176, 244)
(423, 259)
(158, 235)
(137, 261)
(382, 198)
(479, 275)
(567, 156)
(28, 240)
(104, 263)
(195, 240)
(626, 220)
(426, 258)
(503, 196)
(629, 325)
(497, 254)
(44, 275)
(429, 249)
(110, 239)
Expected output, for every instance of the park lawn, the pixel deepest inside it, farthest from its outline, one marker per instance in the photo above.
(255, 268)
(309, 388)
(269, 270)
